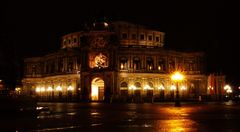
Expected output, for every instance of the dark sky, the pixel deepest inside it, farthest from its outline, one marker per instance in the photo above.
(31, 28)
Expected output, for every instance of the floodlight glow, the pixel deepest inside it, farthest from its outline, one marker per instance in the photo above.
(177, 76)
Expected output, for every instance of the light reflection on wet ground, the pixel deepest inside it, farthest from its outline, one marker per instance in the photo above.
(128, 117)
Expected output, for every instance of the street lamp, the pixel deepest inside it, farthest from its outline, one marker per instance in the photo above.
(177, 77)
(50, 92)
(70, 90)
(132, 88)
(59, 89)
(228, 90)
(161, 93)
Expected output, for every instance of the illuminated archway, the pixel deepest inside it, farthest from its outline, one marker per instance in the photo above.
(97, 89)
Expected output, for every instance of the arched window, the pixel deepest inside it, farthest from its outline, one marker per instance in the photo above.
(192, 89)
(149, 63)
(191, 66)
(161, 65)
(123, 63)
(137, 91)
(69, 40)
(124, 90)
(124, 36)
(149, 89)
(124, 84)
(33, 70)
(150, 84)
(137, 85)
(171, 65)
(70, 64)
(64, 43)
(136, 63)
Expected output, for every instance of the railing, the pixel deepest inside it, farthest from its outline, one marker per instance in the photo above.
(49, 74)
(142, 71)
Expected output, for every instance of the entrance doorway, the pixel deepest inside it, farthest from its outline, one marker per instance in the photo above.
(97, 89)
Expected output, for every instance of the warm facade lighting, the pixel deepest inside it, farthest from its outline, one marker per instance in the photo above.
(18, 89)
(127, 66)
(173, 87)
(147, 87)
(100, 61)
(94, 93)
(59, 88)
(38, 89)
(70, 88)
(210, 88)
(121, 66)
(105, 24)
(161, 87)
(150, 68)
(42, 89)
(177, 76)
(183, 88)
(229, 91)
(132, 87)
(226, 87)
(49, 89)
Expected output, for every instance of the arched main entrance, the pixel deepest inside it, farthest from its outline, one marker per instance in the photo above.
(97, 89)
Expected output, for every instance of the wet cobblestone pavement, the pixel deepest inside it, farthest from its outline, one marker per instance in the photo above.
(129, 117)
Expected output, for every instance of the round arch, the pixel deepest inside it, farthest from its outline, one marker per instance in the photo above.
(97, 89)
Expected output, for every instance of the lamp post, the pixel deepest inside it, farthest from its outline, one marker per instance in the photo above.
(70, 92)
(161, 93)
(50, 91)
(228, 90)
(132, 88)
(59, 89)
(177, 77)
(183, 88)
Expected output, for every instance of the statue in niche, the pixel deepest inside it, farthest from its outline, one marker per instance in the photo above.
(100, 60)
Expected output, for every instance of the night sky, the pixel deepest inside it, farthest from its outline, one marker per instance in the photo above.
(33, 28)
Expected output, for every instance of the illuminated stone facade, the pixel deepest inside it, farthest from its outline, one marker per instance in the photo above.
(119, 61)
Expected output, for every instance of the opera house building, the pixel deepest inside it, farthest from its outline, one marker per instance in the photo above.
(117, 61)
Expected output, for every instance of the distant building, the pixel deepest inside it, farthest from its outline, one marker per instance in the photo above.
(216, 85)
(117, 61)
(1, 84)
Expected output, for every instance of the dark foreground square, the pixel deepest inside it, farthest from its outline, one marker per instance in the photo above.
(128, 117)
